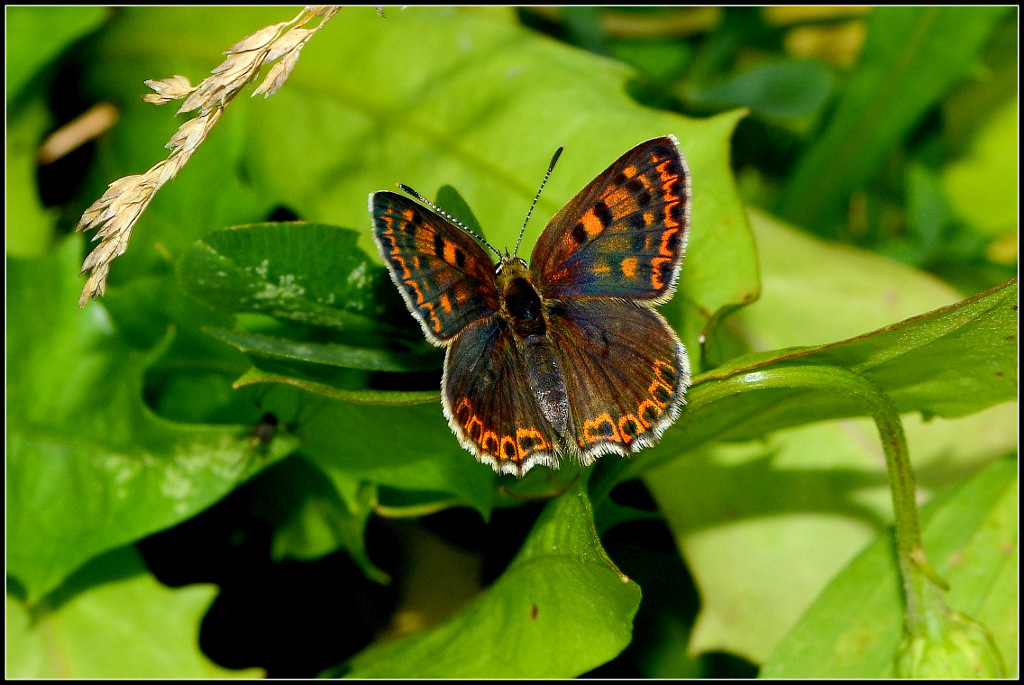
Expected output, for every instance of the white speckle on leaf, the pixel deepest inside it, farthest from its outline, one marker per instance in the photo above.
(286, 288)
(175, 485)
(262, 270)
(358, 275)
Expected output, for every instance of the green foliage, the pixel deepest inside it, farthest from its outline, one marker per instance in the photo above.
(529, 624)
(855, 622)
(101, 625)
(137, 414)
(911, 58)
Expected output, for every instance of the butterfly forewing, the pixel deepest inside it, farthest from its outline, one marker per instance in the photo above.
(624, 234)
(446, 278)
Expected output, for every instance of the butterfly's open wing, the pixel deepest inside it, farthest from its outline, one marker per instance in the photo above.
(489, 404)
(624, 234)
(446, 278)
(626, 373)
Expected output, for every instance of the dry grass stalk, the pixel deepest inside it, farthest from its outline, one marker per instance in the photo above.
(124, 201)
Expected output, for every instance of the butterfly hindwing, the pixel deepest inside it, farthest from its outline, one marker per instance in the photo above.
(488, 403)
(625, 374)
(446, 278)
(624, 234)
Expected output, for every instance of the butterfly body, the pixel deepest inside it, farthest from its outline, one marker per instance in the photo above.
(564, 357)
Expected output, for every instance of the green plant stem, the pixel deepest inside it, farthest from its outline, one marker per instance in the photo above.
(922, 611)
(913, 564)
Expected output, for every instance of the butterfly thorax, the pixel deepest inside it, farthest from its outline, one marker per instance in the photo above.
(521, 304)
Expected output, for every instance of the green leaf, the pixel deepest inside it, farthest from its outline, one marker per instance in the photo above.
(416, 452)
(913, 55)
(909, 360)
(559, 610)
(331, 515)
(329, 354)
(89, 467)
(113, 620)
(852, 631)
(310, 274)
(805, 303)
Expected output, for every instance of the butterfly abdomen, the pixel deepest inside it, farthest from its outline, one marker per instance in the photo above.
(546, 382)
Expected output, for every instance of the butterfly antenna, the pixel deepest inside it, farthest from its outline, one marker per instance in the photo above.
(448, 216)
(536, 197)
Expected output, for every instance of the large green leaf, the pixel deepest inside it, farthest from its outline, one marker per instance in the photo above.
(852, 631)
(560, 609)
(765, 525)
(112, 620)
(308, 274)
(89, 467)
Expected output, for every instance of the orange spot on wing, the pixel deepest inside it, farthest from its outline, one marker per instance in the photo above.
(647, 407)
(529, 440)
(446, 303)
(591, 224)
(629, 266)
(449, 252)
(596, 425)
(489, 443)
(661, 367)
(400, 261)
(508, 449)
(665, 236)
(656, 282)
(416, 289)
(474, 427)
(658, 384)
(625, 429)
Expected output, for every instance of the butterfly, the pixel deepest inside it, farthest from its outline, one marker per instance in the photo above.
(564, 357)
